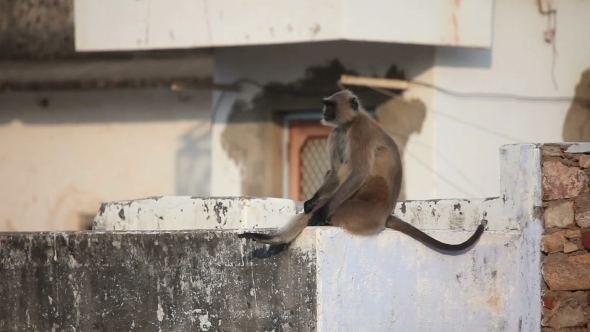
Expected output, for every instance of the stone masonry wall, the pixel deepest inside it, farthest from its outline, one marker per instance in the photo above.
(566, 239)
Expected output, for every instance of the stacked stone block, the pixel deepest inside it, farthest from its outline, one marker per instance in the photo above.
(566, 239)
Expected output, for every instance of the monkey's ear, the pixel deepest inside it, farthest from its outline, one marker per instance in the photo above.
(354, 103)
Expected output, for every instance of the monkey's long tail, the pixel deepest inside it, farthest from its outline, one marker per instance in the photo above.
(397, 224)
(284, 235)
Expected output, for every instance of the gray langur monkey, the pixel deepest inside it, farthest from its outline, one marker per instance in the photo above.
(361, 189)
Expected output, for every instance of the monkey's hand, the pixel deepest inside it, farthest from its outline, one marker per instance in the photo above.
(310, 204)
(319, 217)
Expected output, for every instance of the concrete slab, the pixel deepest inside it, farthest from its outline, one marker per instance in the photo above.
(185, 212)
(151, 281)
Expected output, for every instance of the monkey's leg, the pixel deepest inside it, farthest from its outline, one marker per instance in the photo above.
(284, 235)
(397, 224)
(360, 217)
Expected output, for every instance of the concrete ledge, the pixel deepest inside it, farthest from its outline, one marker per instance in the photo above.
(185, 212)
(452, 214)
(328, 280)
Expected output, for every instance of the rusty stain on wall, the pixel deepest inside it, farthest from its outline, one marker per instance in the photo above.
(259, 153)
(456, 29)
(454, 37)
(576, 127)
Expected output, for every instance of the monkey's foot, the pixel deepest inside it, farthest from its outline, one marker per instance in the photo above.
(319, 217)
(326, 222)
(254, 236)
(310, 204)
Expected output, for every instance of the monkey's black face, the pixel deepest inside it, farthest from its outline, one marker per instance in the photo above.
(354, 103)
(329, 110)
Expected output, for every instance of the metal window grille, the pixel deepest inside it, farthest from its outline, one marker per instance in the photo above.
(315, 162)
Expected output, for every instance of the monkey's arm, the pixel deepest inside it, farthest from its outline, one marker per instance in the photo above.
(361, 162)
(330, 184)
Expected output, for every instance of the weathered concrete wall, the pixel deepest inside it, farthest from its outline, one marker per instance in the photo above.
(566, 239)
(499, 279)
(63, 153)
(172, 213)
(152, 281)
(390, 282)
(327, 280)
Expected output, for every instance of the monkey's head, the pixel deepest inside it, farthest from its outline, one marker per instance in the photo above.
(340, 108)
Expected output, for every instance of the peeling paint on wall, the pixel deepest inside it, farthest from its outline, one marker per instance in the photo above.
(185, 212)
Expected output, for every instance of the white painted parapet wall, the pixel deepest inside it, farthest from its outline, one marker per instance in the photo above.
(390, 282)
(185, 212)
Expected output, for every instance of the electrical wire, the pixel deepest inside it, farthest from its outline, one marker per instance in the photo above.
(422, 163)
(480, 95)
(442, 157)
(491, 95)
(440, 176)
(484, 129)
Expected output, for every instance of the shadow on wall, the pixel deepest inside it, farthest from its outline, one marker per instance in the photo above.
(459, 57)
(576, 127)
(401, 118)
(259, 153)
(193, 160)
(98, 106)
